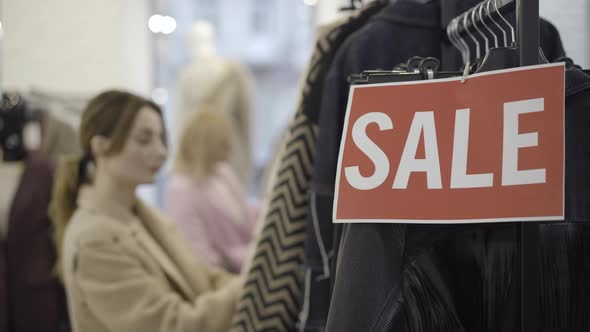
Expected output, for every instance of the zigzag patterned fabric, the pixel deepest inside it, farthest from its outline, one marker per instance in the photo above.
(273, 293)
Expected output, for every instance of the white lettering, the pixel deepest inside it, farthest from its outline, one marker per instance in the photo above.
(459, 176)
(422, 122)
(369, 148)
(513, 141)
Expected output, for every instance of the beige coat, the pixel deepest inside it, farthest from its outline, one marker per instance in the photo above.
(129, 272)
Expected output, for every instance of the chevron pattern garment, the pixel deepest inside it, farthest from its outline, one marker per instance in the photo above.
(271, 298)
(273, 293)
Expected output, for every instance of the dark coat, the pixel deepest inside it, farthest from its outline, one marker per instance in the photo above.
(31, 297)
(369, 259)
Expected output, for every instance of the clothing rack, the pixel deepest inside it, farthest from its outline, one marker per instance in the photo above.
(527, 39)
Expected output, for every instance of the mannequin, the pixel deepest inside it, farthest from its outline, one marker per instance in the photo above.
(204, 196)
(223, 86)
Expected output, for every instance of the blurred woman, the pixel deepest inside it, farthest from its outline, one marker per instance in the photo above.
(204, 195)
(126, 268)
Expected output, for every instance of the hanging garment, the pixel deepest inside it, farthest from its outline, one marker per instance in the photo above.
(565, 268)
(461, 278)
(225, 90)
(263, 204)
(213, 215)
(31, 297)
(10, 176)
(131, 271)
(402, 30)
(272, 297)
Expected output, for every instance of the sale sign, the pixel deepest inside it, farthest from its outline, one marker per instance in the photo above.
(490, 149)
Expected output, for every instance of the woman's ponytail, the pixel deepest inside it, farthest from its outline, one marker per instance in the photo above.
(70, 175)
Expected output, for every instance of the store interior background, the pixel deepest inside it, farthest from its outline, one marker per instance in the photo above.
(72, 49)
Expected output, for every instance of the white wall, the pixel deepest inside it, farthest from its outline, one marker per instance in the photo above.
(572, 19)
(76, 46)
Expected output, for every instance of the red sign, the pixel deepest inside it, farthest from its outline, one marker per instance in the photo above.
(490, 149)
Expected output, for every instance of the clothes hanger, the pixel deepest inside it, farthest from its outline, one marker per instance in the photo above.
(415, 69)
(457, 41)
(482, 20)
(505, 38)
(13, 118)
(504, 57)
(475, 41)
(512, 31)
(474, 21)
(500, 57)
(464, 47)
(354, 5)
(473, 17)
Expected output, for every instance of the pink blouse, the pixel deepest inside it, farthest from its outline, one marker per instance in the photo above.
(213, 215)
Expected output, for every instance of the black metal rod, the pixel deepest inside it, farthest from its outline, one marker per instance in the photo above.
(527, 22)
(450, 56)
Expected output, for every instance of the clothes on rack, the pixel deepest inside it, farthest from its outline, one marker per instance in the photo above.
(31, 297)
(267, 185)
(577, 178)
(10, 174)
(402, 30)
(53, 137)
(273, 294)
(455, 271)
(564, 248)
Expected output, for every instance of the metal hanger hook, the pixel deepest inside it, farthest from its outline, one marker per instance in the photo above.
(489, 2)
(474, 22)
(477, 47)
(463, 47)
(452, 38)
(463, 42)
(465, 51)
(505, 21)
(482, 19)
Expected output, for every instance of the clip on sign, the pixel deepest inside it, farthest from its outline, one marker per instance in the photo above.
(441, 151)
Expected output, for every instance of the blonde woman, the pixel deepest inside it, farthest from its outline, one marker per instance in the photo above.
(204, 195)
(125, 268)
